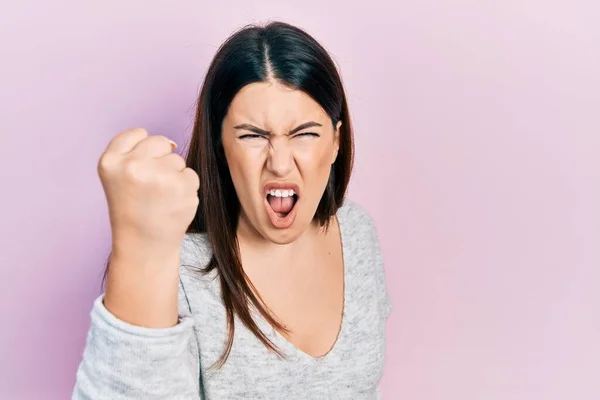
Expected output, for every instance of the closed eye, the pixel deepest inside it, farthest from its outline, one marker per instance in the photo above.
(257, 136)
(308, 134)
(251, 136)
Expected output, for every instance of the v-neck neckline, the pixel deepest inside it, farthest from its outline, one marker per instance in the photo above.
(290, 349)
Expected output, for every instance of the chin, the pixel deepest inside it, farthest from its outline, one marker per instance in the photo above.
(282, 237)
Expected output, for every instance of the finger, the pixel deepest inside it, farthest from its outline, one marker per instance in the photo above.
(126, 140)
(173, 161)
(153, 146)
(192, 179)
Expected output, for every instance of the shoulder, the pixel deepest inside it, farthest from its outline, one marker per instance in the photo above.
(196, 248)
(199, 290)
(356, 220)
(195, 282)
(362, 243)
(196, 252)
(358, 231)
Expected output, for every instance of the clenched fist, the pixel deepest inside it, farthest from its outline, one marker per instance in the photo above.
(152, 196)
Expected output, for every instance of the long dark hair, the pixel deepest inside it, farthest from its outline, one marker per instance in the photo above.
(276, 51)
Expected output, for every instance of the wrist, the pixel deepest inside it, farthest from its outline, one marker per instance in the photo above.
(129, 245)
(142, 288)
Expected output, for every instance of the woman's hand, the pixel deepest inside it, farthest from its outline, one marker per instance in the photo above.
(152, 198)
(151, 194)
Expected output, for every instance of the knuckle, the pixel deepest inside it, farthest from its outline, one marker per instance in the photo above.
(158, 143)
(105, 163)
(160, 140)
(132, 168)
(137, 131)
(177, 159)
(191, 178)
(136, 134)
(194, 202)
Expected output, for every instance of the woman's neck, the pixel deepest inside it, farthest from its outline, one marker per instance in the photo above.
(252, 244)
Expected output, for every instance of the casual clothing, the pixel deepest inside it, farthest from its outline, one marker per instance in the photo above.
(122, 361)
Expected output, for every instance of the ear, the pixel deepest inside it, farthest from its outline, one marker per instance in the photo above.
(336, 141)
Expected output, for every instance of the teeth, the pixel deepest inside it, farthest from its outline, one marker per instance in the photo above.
(281, 193)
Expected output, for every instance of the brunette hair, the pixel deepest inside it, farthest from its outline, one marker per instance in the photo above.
(278, 52)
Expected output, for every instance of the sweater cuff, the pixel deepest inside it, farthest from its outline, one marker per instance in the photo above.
(124, 340)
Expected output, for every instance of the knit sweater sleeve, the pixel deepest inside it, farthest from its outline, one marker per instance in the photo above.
(122, 361)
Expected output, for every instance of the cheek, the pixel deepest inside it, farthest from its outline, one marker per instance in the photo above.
(314, 165)
(315, 157)
(245, 168)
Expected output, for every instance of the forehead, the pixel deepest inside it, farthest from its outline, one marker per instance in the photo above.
(274, 106)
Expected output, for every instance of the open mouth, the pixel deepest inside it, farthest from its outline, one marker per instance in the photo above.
(281, 204)
(282, 201)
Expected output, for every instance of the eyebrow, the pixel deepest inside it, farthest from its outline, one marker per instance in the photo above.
(252, 128)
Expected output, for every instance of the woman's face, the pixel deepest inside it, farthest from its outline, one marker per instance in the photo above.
(280, 145)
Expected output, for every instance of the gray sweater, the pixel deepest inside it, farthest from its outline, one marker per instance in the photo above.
(122, 361)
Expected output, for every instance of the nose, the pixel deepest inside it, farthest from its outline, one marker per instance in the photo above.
(280, 160)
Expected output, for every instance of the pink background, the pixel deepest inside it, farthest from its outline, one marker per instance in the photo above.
(477, 129)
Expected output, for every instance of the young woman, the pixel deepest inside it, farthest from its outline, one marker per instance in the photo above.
(241, 272)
